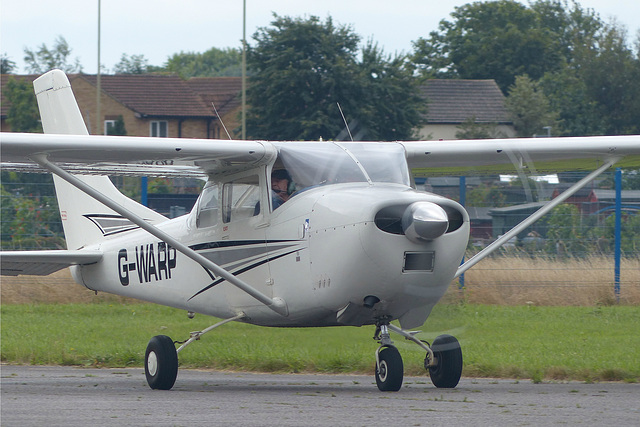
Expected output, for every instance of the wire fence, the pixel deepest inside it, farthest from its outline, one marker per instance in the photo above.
(572, 246)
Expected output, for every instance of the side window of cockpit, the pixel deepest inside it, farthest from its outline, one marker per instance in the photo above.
(208, 207)
(241, 199)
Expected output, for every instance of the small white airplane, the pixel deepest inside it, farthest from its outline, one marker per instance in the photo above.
(284, 234)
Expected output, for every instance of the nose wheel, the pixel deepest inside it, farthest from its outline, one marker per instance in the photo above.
(389, 369)
(389, 366)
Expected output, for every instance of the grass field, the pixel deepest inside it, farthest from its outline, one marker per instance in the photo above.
(528, 342)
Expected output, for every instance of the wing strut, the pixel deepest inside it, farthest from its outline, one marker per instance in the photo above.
(534, 217)
(276, 304)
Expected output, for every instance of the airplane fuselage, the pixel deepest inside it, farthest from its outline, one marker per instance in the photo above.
(322, 252)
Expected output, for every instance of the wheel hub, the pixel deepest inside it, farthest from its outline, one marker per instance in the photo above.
(152, 363)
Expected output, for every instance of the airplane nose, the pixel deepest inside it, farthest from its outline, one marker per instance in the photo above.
(424, 221)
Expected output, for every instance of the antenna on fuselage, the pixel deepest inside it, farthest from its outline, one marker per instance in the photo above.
(345, 121)
(220, 118)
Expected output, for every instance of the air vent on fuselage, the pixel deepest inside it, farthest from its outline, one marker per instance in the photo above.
(389, 219)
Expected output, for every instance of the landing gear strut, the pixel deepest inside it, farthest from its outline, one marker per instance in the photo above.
(161, 357)
(443, 359)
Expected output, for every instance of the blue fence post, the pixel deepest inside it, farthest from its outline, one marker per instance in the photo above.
(143, 191)
(463, 201)
(618, 234)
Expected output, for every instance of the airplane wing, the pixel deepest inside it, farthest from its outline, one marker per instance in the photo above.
(42, 263)
(126, 155)
(537, 155)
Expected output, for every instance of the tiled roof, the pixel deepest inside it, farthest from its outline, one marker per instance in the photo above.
(223, 92)
(454, 101)
(152, 95)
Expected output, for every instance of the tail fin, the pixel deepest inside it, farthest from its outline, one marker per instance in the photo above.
(84, 219)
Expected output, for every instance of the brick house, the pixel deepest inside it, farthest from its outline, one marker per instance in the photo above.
(452, 102)
(154, 105)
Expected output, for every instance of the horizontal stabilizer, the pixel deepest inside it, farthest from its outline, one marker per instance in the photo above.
(42, 263)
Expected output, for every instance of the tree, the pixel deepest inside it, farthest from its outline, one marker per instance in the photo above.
(23, 114)
(489, 40)
(6, 65)
(611, 75)
(568, 95)
(529, 108)
(302, 68)
(118, 127)
(391, 104)
(212, 63)
(134, 64)
(45, 59)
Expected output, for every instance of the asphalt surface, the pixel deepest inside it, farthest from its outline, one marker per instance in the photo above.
(67, 396)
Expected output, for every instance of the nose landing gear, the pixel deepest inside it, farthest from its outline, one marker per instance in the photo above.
(389, 366)
(443, 360)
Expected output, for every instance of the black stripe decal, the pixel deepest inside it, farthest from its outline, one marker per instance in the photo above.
(232, 243)
(243, 270)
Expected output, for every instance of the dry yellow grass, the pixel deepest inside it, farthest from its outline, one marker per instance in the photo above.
(519, 280)
(509, 280)
(57, 288)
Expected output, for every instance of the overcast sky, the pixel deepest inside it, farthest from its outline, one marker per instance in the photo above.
(160, 28)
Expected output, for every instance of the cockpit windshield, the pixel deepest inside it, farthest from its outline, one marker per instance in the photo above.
(312, 164)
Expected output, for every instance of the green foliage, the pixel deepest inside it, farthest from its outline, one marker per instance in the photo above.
(23, 114)
(585, 67)
(212, 63)
(6, 65)
(629, 233)
(489, 40)
(30, 218)
(470, 129)
(134, 64)
(30, 222)
(118, 127)
(160, 186)
(302, 68)
(392, 106)
(568, 95)
(44, 59)
(631, 179)
(486, 195)
(529, 108)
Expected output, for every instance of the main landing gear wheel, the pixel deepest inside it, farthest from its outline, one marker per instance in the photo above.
(389, 370)
(161, 363)
(448, 368)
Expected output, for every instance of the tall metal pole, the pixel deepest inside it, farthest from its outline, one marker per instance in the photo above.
(244, 69)
(463, 202)
(99, 131)
(618, 234)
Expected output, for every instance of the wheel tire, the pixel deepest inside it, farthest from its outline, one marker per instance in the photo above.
(446, 374)
(161, 363)
(391, 370)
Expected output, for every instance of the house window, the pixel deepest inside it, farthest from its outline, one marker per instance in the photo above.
(108, 126)
(160, 129)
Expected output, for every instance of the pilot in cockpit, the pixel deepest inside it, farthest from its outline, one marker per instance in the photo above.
(282, 187)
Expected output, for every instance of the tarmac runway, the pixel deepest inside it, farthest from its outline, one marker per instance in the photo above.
(68, 396)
